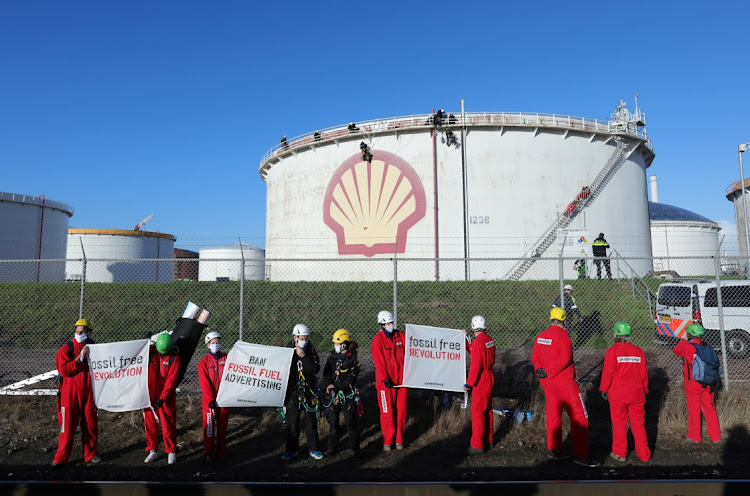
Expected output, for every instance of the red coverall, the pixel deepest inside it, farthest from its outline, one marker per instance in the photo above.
(210, 369)
(163, 372)
(553, 352)
(76, 403)
(625, 380)
(700, 398)
(388, 355)
(482, 380)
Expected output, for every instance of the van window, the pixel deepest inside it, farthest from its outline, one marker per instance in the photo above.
(677, 296)
(731, 296)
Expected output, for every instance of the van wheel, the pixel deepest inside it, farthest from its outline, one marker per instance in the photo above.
(738, 344)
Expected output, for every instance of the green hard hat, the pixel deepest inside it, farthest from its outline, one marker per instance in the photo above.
(622, 329)
(164, 343)
(695, 329)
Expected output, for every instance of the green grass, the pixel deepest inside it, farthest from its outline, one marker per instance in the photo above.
(41, 315)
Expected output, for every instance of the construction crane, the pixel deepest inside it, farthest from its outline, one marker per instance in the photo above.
(143, 223)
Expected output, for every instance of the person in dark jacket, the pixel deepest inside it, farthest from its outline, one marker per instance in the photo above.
(600, 247)
(339, 380)
(302, 394)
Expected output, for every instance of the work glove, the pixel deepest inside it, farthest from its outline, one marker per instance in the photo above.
(388, 383)
(212, 404)
(605, 395)
(541, 373)
(158, 403)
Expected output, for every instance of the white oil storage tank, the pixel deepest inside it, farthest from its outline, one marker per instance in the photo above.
(119, 255)
(502, 186)
(677, 233)
(34, 229)
(225, 263)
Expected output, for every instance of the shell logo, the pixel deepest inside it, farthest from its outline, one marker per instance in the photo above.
(371, 206)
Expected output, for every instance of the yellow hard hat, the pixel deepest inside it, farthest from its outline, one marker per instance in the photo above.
(557, 313)
(341, 336)
(84, 322)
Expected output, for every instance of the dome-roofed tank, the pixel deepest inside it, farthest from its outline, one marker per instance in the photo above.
(678, 232)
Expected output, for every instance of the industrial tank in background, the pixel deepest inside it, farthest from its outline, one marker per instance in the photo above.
(225, 263)
(33, 228)
(117, 255)
(395, 187)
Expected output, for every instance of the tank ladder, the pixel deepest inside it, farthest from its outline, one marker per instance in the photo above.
(622, 151)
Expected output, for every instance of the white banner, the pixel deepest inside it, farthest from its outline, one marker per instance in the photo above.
(255, 375)
(435, 358)
(119, 375)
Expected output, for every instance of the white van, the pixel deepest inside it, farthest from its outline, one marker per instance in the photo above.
(680, 303)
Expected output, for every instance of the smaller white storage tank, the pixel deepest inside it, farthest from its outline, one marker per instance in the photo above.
(33, 228)
(119, 255)
(225, 263)
(677, 232)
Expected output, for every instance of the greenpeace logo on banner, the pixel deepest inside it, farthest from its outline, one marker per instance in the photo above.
(544, 341)
(255, 375)
(624, 359)
(119, 375)
(435, 358)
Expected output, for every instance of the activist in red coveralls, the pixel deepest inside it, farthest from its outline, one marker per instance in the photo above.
(700, 398)
(388, 347)
(76, 398)
(215, 418)
(625, 385)
(552, 356)
(480, 382)
(163, 373)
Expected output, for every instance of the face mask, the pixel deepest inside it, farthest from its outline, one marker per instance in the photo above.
(214, 347)
(388, 327)
(81, 337)
(337, 347)
(301, 344)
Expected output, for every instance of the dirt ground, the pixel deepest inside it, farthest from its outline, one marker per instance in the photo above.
(436, 441)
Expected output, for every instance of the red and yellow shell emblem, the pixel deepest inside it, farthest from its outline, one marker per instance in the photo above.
(371, 206)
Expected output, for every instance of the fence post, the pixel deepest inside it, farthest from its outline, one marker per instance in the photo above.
(721, 321)
(242, 285)
(395, 290)
(562, 276)
(83, 281)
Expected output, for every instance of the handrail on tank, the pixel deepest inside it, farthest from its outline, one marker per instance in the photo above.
(736, 185)
(36, 200)
(454, 119)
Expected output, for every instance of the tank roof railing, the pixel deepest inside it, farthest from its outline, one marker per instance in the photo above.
(36, 200)
(425, 121)
(737, 185)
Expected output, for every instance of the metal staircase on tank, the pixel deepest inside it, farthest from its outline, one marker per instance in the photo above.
(622, 151)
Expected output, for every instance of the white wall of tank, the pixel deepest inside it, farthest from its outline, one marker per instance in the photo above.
(115, 255)
(225, 263)
(519, 179)
(696, 240)
(34, 228)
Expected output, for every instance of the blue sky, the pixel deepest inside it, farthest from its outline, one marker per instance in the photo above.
(125, 109)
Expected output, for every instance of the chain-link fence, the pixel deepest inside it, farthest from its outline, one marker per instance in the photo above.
(126, 299)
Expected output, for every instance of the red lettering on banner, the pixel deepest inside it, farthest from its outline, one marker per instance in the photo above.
(271, 374)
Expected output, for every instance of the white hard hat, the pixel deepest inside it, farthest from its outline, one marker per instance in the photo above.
(384, 317)
(211, 335)
(568, 287)
(301, 330)
(478, 322)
